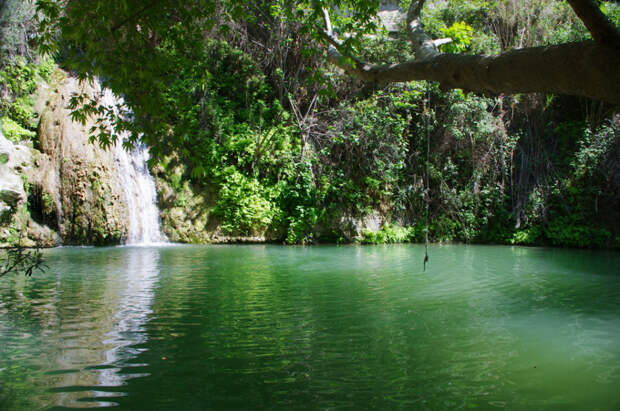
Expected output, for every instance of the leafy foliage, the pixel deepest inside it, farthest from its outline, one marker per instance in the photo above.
(236, 93)
(18, 82)
(389, 234)
(14, 131)
(244, 204)
(16, 29)
(461, 34)
(19, 259)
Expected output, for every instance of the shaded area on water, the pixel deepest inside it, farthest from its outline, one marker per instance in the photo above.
(318, 327)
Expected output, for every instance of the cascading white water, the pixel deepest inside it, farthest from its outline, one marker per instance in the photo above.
(140, 195)
(138, 186)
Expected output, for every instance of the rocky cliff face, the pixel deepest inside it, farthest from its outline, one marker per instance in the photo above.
(12, 161)
(73, 189)
(15, 224)
(184, 211)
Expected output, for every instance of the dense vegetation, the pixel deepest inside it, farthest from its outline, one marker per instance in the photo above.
(20, 71)
(281, 142)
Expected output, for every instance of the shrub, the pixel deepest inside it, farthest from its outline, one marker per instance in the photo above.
(244, 204)
(14, 131)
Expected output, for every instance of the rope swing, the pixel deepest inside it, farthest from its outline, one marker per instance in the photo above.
(427, 111)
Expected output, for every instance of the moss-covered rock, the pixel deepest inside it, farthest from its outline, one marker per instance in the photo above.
(16, 225)
(186, 209)
(73, 180)
(12, 192)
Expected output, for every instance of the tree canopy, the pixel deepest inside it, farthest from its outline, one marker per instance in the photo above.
(138, 50)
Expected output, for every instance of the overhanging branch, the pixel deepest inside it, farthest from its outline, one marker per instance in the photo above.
(602, 29)
(583, 69)
(423, 46)
(336, 53)
(588, 69)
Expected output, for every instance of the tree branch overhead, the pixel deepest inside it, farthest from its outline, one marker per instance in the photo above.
(588, 68)
(602, 29)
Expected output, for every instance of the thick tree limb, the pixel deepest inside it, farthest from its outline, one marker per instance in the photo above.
(583, 69)
(439, 42)
(423, 46)
(602, 29)
(588, 69)
(335, 51)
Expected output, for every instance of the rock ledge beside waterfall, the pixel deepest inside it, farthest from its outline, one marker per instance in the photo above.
(73, 181)
(63, 190)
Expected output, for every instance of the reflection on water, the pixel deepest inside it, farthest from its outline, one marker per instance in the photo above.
(134, 309)
(314, 327)
(83, 326)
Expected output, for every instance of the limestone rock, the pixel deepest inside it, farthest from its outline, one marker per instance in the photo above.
(11, 189)
(13, 161)
(11, 184)
(350, 227)
(7, 149)
(42, 235)
(185, 212)
(73, 181)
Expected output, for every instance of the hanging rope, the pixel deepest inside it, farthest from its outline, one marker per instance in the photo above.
(427, 111)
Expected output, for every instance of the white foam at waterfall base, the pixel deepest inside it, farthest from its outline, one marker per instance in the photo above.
(140, 195)
(138, 186)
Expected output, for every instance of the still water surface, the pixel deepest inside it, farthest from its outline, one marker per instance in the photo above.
(229, 327)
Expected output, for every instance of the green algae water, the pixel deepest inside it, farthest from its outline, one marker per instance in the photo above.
(254, 327)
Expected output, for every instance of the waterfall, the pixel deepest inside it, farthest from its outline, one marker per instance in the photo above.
(140, 195)
(138, 186)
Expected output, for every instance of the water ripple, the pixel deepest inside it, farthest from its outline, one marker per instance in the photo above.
(314, 327)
